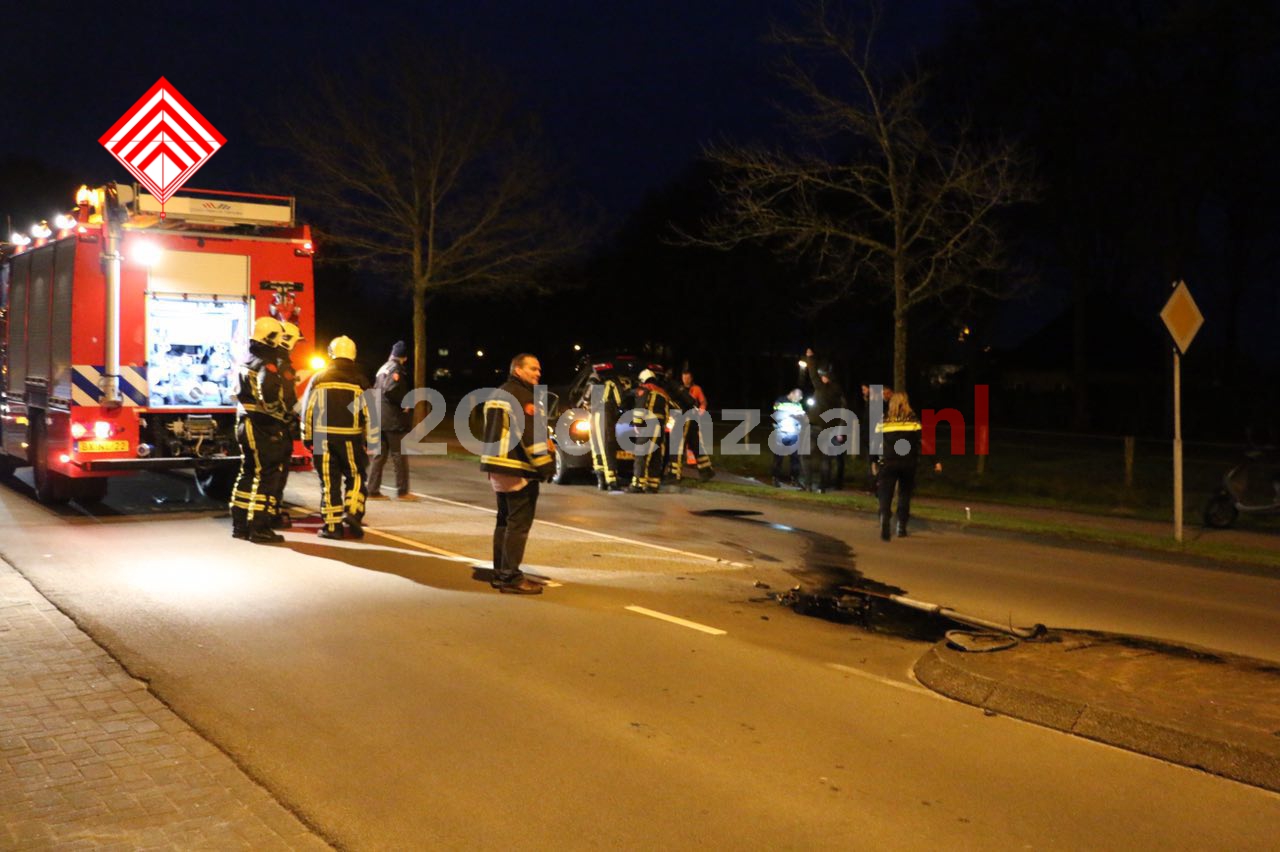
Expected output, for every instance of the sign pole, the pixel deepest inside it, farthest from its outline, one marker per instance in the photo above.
(1177, 446)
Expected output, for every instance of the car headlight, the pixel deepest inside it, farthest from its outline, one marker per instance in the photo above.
(580, 430)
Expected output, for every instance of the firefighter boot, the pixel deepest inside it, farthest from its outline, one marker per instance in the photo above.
(602, 482)
(264, 535)
(354, 528)
(282, 521)
(330, 532)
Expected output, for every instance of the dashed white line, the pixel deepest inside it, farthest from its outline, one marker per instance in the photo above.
(598, 534)
(692, 625)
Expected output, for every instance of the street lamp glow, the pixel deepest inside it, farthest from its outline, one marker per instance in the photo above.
(577, 347)
(479, 353)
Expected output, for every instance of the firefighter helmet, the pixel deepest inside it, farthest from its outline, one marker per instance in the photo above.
(267, 330)
(289, 336)
(342, 347)
(646, 375)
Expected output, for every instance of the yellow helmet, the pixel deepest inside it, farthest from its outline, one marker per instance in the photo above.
(267, 330)
(290, 334)
(342, 347)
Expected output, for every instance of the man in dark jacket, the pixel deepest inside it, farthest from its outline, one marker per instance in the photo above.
(336, 427)
(515, 459)
(826, 396)
(392, 383)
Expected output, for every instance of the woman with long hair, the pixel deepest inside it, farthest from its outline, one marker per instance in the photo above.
(898, 458)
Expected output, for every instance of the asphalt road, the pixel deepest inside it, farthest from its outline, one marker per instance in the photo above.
(389, 696)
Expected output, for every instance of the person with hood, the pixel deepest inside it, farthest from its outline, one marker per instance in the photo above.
(336, 427)
(898, 459)
(395, 421)
(263, 436)
(515, 460)
(649, 417)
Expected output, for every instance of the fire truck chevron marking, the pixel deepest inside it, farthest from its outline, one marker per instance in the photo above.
(162, 140)
(86, 388)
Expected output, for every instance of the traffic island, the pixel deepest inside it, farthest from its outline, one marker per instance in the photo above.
(1198, 708)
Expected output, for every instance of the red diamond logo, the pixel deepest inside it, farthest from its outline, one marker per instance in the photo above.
(162, 140)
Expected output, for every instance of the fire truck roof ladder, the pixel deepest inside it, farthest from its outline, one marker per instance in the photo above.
(222, 209)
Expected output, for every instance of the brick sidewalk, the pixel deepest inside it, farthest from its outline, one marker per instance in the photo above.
(90, 759)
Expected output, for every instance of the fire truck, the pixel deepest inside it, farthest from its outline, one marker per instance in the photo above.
(122, 325)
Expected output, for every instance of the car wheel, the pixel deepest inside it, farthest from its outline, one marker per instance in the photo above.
(1220, 512)
(561, 476)
(50, 486)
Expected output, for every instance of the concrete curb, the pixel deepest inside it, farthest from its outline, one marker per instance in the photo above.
(941, 672)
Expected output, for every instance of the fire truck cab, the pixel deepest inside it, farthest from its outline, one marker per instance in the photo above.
(122, 327)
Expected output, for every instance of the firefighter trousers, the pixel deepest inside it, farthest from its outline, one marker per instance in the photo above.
(691, 440)
(341, 465)
(649, 456)
(264, 456)
(604, 446)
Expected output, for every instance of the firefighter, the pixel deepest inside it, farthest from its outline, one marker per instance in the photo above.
(289, 338)
(262, 436)
(605, 402)
(336, 427)
(652, 401)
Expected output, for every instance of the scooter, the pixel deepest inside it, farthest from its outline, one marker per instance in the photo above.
(1251, 487)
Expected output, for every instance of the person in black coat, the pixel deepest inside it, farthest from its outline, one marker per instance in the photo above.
(392, 383)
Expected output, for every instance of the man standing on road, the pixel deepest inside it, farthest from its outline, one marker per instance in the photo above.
(826, 397)
(336, 428)
(691, 439)
(515, 464)
(392, 383)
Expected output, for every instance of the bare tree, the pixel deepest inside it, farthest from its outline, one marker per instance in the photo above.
(872, 195)
(423, 163)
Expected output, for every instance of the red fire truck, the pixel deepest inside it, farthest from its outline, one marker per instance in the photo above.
(121, 328)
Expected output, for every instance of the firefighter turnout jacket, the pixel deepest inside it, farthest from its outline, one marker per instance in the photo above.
(334, 406)
(510, 450)
(649, 416)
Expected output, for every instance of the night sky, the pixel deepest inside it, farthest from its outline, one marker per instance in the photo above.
(629, 91)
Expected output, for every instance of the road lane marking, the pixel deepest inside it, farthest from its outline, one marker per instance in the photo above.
(448, 554)
(692, 625)
(896, 684)
(596, 533)
(436, 550)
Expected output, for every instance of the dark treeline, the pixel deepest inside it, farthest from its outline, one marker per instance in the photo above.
(1150, 126)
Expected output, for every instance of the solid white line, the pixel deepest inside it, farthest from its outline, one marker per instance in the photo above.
(896, 684)
(692, 625)
(632, 541)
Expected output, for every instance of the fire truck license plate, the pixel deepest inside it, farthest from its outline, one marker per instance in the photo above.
(103, 446)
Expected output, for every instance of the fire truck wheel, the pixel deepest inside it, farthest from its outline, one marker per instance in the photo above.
(215, 483)
(87, 492)
(51, 487)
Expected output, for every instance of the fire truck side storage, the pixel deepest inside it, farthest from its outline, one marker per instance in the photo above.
(114, 364)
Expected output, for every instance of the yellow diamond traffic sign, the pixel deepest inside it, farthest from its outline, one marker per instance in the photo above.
(1182, 317)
